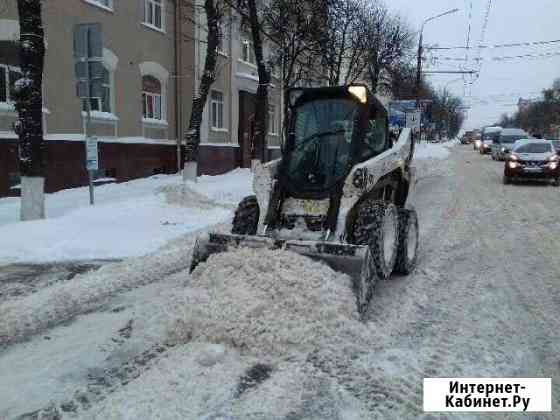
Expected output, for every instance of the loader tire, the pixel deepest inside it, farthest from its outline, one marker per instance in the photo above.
(408, 242)
(377, 225)
(364, 285)
(246, 218)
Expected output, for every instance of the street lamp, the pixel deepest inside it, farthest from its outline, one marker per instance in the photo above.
(419, 64)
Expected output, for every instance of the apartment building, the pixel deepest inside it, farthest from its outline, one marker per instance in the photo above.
(153, 54)
(228, 117)
(139, 113)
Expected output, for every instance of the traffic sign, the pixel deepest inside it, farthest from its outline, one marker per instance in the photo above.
(413, 119)
(92, 156)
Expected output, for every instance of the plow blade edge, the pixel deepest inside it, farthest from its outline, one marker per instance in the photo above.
(346, 258)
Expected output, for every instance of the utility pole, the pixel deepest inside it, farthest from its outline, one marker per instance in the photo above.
(419, 63)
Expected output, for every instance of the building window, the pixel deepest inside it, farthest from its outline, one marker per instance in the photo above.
(247, 51)
(151, 98)
(153, 13)
(106, 4)
(8, 77)
(100, 95)
(217, 109)
(272, 126)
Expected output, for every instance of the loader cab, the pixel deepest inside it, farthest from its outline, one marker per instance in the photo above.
(329, 131)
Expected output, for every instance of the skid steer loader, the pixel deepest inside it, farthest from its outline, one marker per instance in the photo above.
(339, 193)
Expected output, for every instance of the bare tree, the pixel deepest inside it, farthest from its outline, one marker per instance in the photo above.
(29, 105)
(261, 110)
(253, 21)
(292, 25)
(342, 41)
(192, 137)
(389, 42)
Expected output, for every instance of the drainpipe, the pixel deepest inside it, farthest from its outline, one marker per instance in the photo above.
(178, 84)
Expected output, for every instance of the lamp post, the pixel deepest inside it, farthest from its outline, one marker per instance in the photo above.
(419, 64)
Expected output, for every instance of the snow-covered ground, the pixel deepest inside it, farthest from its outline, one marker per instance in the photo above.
(128, 219)
(132, 218)
(249, 335)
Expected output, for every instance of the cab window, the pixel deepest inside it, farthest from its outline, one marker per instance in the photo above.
(375, 138)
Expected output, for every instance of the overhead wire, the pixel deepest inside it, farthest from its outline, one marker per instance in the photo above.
(504, 58)
(508, 45)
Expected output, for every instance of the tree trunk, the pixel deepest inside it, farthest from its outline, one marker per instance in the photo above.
(192, 137)
(29, 105)
(261, 112)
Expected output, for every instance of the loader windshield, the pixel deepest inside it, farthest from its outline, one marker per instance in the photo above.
(320, 155)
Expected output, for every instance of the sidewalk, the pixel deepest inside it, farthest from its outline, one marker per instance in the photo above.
(128, 219)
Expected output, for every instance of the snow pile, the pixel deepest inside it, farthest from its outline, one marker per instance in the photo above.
(432, 160)
(185, 196)
(291, 317)
(437, 151)
(229, 188)
(211, 191)
(129, 219)
(266, 302)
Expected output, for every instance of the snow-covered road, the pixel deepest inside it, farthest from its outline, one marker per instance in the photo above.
(274, 336)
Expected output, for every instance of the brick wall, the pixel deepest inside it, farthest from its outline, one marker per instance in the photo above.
(65, 162)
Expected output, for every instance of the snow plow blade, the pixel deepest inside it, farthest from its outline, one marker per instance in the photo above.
(340, 257)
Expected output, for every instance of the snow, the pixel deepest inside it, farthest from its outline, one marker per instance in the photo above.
(294, 316)
(128, 219)
(101, 115)
(273, 308)
(432, 150)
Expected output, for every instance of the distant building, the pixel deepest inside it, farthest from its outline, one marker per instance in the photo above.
(228, 118)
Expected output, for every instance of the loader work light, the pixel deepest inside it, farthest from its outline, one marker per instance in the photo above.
(359, 92)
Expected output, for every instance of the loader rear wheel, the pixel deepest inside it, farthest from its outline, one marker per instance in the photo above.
(408, 241)
(246, 218)
(377, 225)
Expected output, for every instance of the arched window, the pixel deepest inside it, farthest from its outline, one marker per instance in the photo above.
(151, 98)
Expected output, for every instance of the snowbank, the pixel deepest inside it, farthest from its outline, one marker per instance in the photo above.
(50, 306)
(128, 219)
(267, 302)
(438, 151)
(266, 311)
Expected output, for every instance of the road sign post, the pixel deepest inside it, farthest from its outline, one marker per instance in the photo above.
(88, 53)
(92, 163)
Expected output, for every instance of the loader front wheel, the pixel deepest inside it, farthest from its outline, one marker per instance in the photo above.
(408, 241)
(246, 218)
(377, 225)
(365, 284)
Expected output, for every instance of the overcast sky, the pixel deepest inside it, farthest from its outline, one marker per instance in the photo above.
(501, 83)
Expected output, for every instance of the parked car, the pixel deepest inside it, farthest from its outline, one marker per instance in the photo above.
(556, 145)
(467, 138)
(504, 142)
(486, 146)
(488, 135)
(532, 159)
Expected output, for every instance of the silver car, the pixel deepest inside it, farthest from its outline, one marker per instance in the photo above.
(504, 143)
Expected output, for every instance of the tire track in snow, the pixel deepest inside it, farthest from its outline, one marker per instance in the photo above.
(60, 303)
